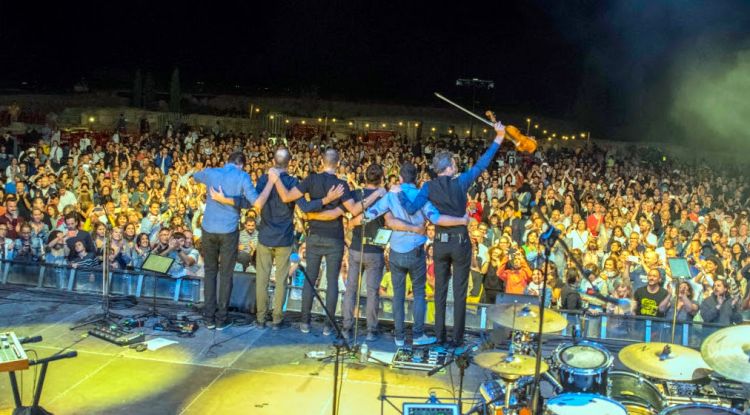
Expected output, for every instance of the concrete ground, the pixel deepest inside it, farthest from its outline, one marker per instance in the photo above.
(241, 370)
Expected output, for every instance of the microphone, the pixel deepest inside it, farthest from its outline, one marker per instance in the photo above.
(619, 301)
(104, 221)
(550, 235)
(34, 339)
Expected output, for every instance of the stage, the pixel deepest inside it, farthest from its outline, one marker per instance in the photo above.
(246, 371)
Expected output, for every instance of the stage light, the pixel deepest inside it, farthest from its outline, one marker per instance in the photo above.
(92, 119)
(468, 132)
(536, 125)
(304, 122)
(270, 116)
(416, 124)
(484, 130)
(554, 134)
(528, 120)
(583, 135)
(545, 131)
(549, 138)
(432, 129)
(450, 131)
(384, 125)
(351, 123)
(367, 125)
(286, 121)
(257, 109)
(334, 120)
(663, 158)
(400, 123)
(320, 120)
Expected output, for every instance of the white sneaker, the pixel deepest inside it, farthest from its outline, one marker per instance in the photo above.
(424, 340)
(399, 343)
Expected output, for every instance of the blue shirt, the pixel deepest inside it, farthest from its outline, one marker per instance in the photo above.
(403, 242)
(220, 218)
(464, 182)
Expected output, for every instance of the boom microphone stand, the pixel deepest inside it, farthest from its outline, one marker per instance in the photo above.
(340, 342)
(548, 238)
(106, 316)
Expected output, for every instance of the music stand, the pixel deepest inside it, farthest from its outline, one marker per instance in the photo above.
(156, 265)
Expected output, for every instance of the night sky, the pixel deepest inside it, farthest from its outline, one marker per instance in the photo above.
(609, 65)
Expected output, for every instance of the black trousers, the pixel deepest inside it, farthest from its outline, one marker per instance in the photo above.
(219, 256)
(456, 253)
(332, 250)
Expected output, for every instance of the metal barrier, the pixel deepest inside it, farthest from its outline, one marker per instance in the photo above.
(190, 290)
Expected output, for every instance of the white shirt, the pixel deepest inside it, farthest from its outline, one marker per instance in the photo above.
(67, 198)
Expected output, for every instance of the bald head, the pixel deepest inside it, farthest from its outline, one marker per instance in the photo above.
(331, 158)
(281, 158)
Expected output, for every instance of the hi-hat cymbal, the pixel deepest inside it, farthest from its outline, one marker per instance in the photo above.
(728, 352)
(525, 317)
(509, 366)
(677, 363)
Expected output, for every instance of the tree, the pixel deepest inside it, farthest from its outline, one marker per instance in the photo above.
(136, 99)
(174, 91)
(149, 91)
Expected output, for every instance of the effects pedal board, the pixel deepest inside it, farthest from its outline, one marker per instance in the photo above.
(423, 358)
(115, 335)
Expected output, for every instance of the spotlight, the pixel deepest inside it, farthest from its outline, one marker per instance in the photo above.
(92, 119)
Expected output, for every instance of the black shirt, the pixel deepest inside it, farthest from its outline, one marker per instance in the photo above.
(371, 228)
(276, 226)
(647, 303)
(317, 186)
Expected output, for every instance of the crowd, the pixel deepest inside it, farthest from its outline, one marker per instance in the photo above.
(622, 217)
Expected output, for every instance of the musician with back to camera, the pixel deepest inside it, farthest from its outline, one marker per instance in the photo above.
(407, 254)
(452, 248)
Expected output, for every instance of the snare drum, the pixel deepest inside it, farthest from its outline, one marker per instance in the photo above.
(583, 366)
(638, 395)
(699, 409)
(583, 404)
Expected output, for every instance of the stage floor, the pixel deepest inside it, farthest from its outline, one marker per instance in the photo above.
(241, 370)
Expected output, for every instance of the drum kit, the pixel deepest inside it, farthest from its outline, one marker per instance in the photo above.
(666, 379)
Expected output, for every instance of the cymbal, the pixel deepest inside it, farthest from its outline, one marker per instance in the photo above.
(525, 317)
(680, 364)
(727, 351)
(509, 366)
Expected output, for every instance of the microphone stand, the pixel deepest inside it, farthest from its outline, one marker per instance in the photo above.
(339, 344)
(106, 316)
(549, 238)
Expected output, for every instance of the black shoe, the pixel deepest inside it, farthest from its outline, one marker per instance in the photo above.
(224, 324)
(210, 323)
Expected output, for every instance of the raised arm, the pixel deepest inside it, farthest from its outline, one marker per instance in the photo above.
(466, 179)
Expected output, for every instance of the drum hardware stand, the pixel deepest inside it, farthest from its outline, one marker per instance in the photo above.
(463, 361)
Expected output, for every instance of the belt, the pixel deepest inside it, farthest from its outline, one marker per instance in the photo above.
(447, 236)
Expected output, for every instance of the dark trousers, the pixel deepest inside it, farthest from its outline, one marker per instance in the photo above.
(456, 252)
(332, 250)
(219, 256)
